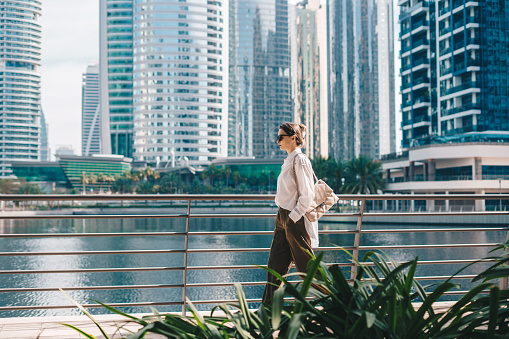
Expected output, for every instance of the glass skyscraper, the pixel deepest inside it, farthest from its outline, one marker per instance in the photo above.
(20, 82)
(308, 31)
(455, 65)
(361, 67)
(116, 71)
(90, 112)
(165, 67)
(259, 77)
(45, 150)
(180, 59)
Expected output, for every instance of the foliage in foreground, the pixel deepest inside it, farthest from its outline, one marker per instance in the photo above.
(377, 304)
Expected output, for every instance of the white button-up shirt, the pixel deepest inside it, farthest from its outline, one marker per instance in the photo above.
(297, 202)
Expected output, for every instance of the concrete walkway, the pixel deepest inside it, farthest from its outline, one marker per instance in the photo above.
(52, 328)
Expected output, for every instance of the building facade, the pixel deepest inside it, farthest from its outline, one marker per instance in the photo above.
(164, 69)
(20, 82)
(361, 67)
(452, 167)
(180, 81)
(45, 149)
(454, 70)
(116, 72)
(259, 77)
(90, 112)
(309, 54)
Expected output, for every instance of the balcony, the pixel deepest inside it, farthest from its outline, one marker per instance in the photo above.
(473, 41)
(445, 71)
(416, 120)
(463, 108)
(444, 11)
(461, 67)
(404, 31)
(444, 31)
(457, 4)
(420, 23)
(459, 45)
(420, 61)
(419, 43)
(473, 19)
(420, 81)
(458, 24)
(405, 49)
(462, 87)
(466, 129)
(445, 51)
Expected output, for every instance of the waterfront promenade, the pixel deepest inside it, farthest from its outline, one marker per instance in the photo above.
(486, 230)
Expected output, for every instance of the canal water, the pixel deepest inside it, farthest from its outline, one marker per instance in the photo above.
(61, 262)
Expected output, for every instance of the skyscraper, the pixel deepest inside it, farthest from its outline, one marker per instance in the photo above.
(90, 112)
(45, 150)
(116, 71)
(20, 82)
(166, 64)
(259, 76)
(308, 31)
(455, 70)
(361, 67)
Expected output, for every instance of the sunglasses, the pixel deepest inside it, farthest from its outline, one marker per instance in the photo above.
(280, 137)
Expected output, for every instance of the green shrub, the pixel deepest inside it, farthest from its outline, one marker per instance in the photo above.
(379, 303)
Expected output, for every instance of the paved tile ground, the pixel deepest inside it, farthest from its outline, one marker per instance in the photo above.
(52, 328)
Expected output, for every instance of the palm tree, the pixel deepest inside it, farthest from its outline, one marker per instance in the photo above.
(101, 178)
(329, 170)
(363, 176)
(109, 179)
(227, 173)
(236, 178)
(93, 180)
(84, 179)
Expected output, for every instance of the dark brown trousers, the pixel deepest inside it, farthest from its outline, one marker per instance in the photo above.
(289, 244)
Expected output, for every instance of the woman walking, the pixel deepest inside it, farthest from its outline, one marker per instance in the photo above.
(294, 233)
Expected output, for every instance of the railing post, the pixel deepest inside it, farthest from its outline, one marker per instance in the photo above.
(357, 240)
(186, 248)
(504, 282)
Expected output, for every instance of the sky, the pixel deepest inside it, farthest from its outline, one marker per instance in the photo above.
(70, 42)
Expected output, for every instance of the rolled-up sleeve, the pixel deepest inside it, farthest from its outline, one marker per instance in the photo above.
(306, 190)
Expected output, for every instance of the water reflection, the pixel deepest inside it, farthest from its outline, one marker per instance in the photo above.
(54, 280)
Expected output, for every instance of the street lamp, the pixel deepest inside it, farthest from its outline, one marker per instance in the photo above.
(500, 191)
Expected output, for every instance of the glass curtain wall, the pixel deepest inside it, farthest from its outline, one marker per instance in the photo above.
(116, 35)
(361, 47)
(20, 82)
(180, 80)
(259, 76)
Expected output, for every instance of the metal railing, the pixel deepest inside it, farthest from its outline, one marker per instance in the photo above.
(360, 214)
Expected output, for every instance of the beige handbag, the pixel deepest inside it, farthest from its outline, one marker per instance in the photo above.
(324, 198)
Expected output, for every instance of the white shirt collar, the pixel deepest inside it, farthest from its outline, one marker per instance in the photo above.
(292, 155)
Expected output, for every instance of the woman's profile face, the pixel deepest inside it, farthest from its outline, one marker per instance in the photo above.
(286, 142)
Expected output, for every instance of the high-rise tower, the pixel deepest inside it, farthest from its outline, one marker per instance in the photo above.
(20, 82)
(361, 67)
(116, 71)
(259, 76)
(164, 66)
(90, 112)
(308, 31)
(455, 71)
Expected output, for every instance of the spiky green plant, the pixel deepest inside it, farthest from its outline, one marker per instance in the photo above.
(379, 303)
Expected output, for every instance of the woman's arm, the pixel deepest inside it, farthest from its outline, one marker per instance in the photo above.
(305, 187)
